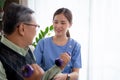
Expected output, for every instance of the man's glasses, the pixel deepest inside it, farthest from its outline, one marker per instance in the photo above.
(32, 25)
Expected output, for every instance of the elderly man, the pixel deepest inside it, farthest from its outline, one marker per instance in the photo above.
(19, 27)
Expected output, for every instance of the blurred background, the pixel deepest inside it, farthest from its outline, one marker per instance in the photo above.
(95, 26)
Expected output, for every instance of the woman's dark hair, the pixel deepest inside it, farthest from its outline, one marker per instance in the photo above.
(67, 13)
(13, 15)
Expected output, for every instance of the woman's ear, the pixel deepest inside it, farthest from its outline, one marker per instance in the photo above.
(21, 29)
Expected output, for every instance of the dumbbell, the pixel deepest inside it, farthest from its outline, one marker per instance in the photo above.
(27, 70)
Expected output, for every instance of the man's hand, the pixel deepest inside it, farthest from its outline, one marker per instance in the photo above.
(37, 73)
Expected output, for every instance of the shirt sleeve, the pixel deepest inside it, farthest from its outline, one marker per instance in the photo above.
(49, 74)
(2, 72)
(76, 57)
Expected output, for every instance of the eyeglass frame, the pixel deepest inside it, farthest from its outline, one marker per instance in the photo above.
(32, 24)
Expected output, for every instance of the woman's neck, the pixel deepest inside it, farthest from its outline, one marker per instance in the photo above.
(60, 40)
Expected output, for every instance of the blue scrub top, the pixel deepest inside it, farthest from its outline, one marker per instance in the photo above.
(46, 52)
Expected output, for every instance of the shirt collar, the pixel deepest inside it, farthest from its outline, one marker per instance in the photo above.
(14, 47)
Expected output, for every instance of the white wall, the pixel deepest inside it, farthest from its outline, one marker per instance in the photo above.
(104, 40)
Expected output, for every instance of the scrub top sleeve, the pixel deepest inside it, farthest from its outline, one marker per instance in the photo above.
(77, 63)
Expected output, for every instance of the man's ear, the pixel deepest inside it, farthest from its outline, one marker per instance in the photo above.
(21, 29)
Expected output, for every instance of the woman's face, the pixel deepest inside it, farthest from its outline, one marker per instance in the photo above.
(61, 25)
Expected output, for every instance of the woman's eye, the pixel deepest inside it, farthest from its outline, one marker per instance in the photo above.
(55, 22)
(62, 23)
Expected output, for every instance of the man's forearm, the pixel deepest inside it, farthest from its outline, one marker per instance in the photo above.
(49, 74)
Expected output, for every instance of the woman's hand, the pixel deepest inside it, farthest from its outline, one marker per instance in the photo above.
(60, 76)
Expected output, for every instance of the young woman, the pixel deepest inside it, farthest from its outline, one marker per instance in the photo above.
(48, 49)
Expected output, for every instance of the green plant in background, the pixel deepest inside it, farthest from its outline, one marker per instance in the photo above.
(2, 2)
(42, 34)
